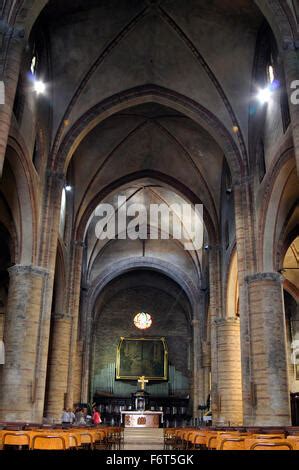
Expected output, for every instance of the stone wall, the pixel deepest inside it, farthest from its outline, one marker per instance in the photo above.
(115, 319)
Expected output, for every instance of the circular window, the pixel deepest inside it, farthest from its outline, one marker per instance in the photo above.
(142, 321)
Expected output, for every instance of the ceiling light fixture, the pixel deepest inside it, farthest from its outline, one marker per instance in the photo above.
(264, 95)
(39, 87)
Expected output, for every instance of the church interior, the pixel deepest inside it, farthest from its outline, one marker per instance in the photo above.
(151, 102)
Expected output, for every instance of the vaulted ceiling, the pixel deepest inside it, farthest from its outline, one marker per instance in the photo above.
(120, 75)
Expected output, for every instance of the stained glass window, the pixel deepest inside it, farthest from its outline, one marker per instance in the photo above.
(142, 321)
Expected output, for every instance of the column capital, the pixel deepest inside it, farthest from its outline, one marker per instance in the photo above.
(270, 276)
(241, 182)
(14, 33)
(78, 243)
(289, 44)
(227, 321)
(28, 269)
(58, 316)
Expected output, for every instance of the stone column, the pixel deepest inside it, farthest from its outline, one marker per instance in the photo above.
(73, 306)
(270, 391)
(215, 309)
(49, 229)
(229, 371)
(21, 381)
(86, 361)
(11, 62)
(78, 373)
(245, 242)
(198, 377)
(206, 364)
(58, 362)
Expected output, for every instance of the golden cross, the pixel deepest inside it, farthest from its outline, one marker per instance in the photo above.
(142, 381)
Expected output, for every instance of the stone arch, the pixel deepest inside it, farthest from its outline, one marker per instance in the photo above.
(117, 269)
(62, 153)
(270, 233)
(24, 14)
(81, 223)
(25, 189)
(59, 281)
(280, 19)
(149, 263)
(291, 289)
(278, 16)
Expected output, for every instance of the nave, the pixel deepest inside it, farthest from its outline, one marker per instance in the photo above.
(114, 109)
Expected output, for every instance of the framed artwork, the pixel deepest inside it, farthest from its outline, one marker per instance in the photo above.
(137, 357)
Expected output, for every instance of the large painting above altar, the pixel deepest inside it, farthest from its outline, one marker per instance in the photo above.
(138, 357)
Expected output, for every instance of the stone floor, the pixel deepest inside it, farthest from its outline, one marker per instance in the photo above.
(143, 439)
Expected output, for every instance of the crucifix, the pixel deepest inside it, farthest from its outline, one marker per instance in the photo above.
(142, 380)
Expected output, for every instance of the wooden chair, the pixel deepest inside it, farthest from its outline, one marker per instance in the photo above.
(268, 436)
(213, 436)
(113, 441)
(87, 439)
(271, 444)
(231, 443)
(49, 442)
(294, 441)
(178, 442)
(101, 440)
(169, 438)
(211, 440)
(74, 439)
(188, 439)
(18, 439)
(199, 440)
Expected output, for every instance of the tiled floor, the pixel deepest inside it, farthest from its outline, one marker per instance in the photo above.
(143, 439)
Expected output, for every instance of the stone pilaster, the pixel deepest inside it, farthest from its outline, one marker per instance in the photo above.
(73, 306)
(14, 44)
(246, 266)
(78, 374)
(58, 362)
(269, 388)
(206, 364)
(86, 344)
(198, 378)
(21, 379)
(49, 229)
(229, 371)
(86, 363)
(50, 217)
(215, 310)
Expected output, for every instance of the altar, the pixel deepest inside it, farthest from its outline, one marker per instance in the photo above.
(142, 419)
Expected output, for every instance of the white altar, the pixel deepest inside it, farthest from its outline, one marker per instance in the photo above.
(141, 419)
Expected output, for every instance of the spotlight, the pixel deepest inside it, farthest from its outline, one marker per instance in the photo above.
(264, 95)
(68, 188)
(39, 87)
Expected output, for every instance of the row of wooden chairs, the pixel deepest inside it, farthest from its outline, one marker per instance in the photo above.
(203, 439)
(63, 439)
